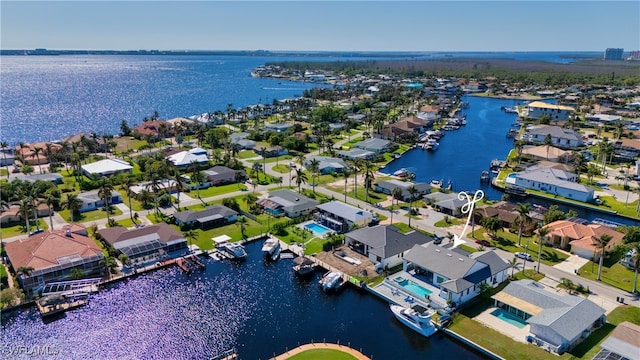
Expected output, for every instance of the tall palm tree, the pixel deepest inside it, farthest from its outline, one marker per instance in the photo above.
(368, 169)
(635, 258)
(263, 153)
(190, 235)
(50, 200)
(523, 214)
(346, 173)
(196, 176)
(548, 142)
(73, 204)
(37, 151)
(108, 263)
(314, 168)
(242, 224)
(300, 177)
(25, 207)
(412, 192)
(256, 168)
(356, 167)
(154, 186)
(126, 184)
(514, 265)
(542, 234)
(396, 195)
(4, 146)
(603, 240)
(104, 193)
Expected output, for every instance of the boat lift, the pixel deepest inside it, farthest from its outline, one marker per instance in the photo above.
(71, 287)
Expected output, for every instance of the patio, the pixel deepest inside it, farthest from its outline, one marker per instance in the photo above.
(503, 327)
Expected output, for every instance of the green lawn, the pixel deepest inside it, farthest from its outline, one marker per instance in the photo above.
(467, 248)
(615, 275)
(449, 221)
(509, 242)
(246, 154)
(217, 190)
(529, 274)
(4, 172)
(282, 168)
(89, 215)
(322, 354)
(624, 313)
(15, 229)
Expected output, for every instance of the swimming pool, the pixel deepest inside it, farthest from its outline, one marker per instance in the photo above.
(317, 229)
(509, 318)
(413, 287)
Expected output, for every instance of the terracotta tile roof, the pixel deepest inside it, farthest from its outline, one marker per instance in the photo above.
(584, 236)
(43, 250)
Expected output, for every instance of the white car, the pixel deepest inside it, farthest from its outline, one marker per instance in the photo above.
(524, 255)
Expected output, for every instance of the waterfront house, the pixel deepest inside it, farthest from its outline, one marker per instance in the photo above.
(53, 255)
(92, 201)
(50, 177)
(185, 159)
(623, 343)
(560, 137)
(553, 181)
(410, 125)
(557, 322)
(356, 154)
(384, 245)
(107, 167)
(212, 216)
(150, 128)
(287, 202)
(219, 175)
(27, 153)
(557, 112)
(387, 187)
(146, 244)
(7, 156)
(546, 152)
(327, 165)
(458, 277)
(582, 238)
(507, 214)
(342, 217)
(446, 203)
(375, 145)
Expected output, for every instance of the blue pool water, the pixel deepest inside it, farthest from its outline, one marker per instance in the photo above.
(413, 287)
(509, 318)
(317, 229)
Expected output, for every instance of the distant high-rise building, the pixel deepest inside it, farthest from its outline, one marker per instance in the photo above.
(634, 55)
(613, 54)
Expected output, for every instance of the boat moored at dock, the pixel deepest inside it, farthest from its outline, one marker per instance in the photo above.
(234, 251)
(416, 317)
(271, 248)
(331, 281)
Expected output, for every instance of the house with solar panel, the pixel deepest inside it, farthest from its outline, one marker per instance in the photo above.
(557, 322)
(147, 244)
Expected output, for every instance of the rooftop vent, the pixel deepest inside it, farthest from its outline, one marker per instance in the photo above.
(67, 231)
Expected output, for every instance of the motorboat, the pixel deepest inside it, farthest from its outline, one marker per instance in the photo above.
(271, 248)
(303, 267)
(416, 317)
(431, 144)
(401, 172)
(331, 281)
(234, 251)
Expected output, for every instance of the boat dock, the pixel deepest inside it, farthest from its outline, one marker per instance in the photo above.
(66, 288)
(56, 304)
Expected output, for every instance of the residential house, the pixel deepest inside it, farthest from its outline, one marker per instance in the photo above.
(582, 238)
(411, 125)
(241, 141)
(556, 112)
(458, 277)
(556, 322)
(287, 202)
(92, 201)
(150, 128)
(168, 185)
(547, 152)
(375, 145)
(53, 255)
(508, 215)
(146, 244)
(560, 137)
(107, 167)
(627, 148)
(327, 165)
(353, 154)
(185, 159)
(623, 343)
(219, 175)
(387, 187)
(384, 245)
(7, 156)
(12, 213)
(28, 156)
(212, 216)
(50, 177)
(279, 128)
(342, 217)
(274, 151)
(553, 181)
(446, 203)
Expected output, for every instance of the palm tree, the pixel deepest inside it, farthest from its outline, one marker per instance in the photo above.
(356, 167)
(256, 168)
(190, 235)
(4, 145)
(602, 243)
(154, 186)
(367, 169)
(345, 173)
(25, 270)
(523, 214)
(178, 186)
(126, 184)
(314, 168)
(263, 153)
(242, 224)
(196, 176)
(50, 200)
(397, 195)
(109, 263)
(635, 258)
(412, 193)
(25, 206)
(105, 193)
(300, 177)
(37, 151)
(73, 203)
(542, 234)
(514, 265)
(548, 141)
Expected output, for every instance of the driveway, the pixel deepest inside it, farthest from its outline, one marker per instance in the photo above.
(571, 264)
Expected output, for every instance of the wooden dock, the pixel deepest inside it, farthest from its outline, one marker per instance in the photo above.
(55, 304)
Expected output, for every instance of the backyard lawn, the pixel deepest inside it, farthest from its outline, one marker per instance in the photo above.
(614, 274)
(217, 190)
(89, 215)
(19, 228)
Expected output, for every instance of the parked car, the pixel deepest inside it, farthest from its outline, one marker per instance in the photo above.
(524, 255)
(437, 239)
(483, 243)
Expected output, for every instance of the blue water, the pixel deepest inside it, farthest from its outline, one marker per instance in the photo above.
(509, 318)
(414, 288)
(47, 98)
(318, 229)
(260, 308)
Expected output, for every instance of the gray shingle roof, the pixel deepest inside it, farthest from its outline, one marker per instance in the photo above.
(189, 216)
(292, 201)
(345, 211)
(495, 262)
(386, 240)
(374, 144)
(440, 260)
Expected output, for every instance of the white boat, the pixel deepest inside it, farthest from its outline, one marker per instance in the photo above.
(417, 318)
(271, 248)
(233, 250)
(402, 172)
(431, 144)
(331, 281)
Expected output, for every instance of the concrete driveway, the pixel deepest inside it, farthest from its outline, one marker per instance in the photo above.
(571, 264)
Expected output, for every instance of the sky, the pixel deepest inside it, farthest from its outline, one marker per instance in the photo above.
(476, 25)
